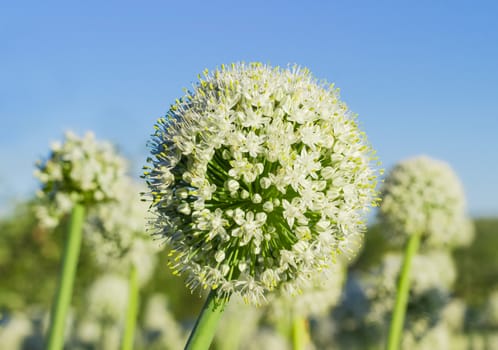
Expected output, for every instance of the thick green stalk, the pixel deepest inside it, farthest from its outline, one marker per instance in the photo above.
(66, 280)
(399, 312)
(299, 333)
(131, 314)
(205, 327)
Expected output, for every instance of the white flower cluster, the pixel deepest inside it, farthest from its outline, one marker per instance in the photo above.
(240, 323)
(491, 310)
(423, 196)
(266, 339)
(88, 331)
(258, 177)
(363, 318)
(161, 331)
(453, 315)
(442, 334)
(107, 299)
(437, 337)
(80, 170)
(316, 297)
(116, 232)
(106, 305)
(15, 330)
(433, 272)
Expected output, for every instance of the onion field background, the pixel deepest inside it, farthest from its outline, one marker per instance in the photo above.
(419, 78)
(29, 263)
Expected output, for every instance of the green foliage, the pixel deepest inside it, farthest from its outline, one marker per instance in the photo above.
(478, 264)
(30, 258)
(375, 246)
(28, 261)
(183, 304)
(29, 266)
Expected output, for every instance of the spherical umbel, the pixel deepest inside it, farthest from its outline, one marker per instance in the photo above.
(79, 170)
(258, 177)
(424, 196)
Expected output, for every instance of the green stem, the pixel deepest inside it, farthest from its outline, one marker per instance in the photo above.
(66, 280)
(131, 314)
(399, 312)
(299, 333)
(205, 327)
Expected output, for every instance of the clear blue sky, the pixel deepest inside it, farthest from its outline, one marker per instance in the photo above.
(422, 75)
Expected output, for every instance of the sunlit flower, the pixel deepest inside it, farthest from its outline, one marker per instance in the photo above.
(258, 177)
(424, 196)
(79, 170)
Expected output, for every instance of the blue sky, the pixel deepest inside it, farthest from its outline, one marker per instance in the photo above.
(422, 76)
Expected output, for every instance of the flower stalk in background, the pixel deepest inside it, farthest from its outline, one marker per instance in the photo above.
(77, 174)
(402, 291)
(161, 329)
(423, 203)
(116, 233)
(131, 309)
(318, 295)
(361, 320)
(106, 301)
(258, 177)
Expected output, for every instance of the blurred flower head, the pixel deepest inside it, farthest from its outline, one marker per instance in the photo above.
(266, 338)
(79, 170)
(429, 271)
(161, 330)
(363, 317)
(424, 196)
(240, 323)
(258, 177)
(317, 295)
(453, 315)
(107, 299)
(490, 315)
(15, 330)
(117, 235)
(437, 337)
(431, 280)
